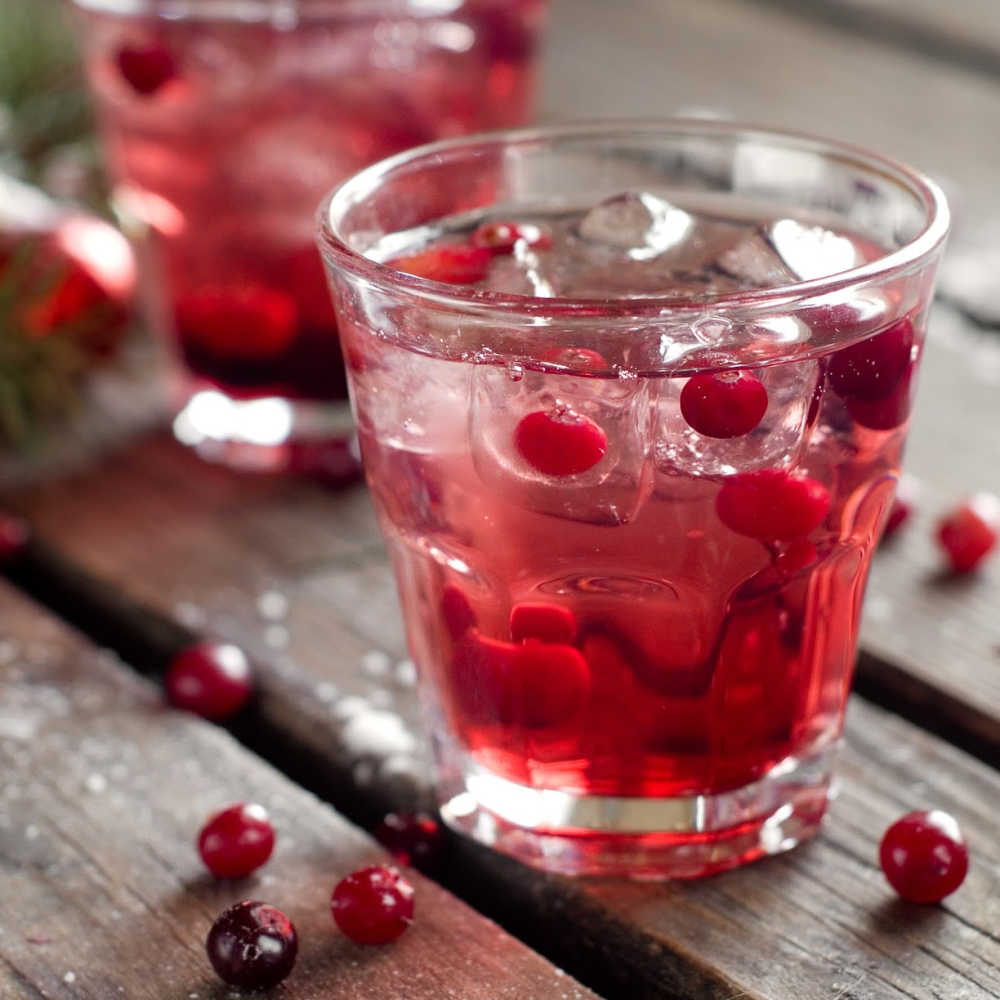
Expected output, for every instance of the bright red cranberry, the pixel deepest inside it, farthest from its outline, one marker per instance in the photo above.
(580, 358)
(484, 677)
(503, 237)
(560, 442)
(14, 535)
(252, 945)
(146, 68)
(412, 839)
(872, 369)
(724, 404)
(970, 533)
(772, 504)
(798, 555)
(553, 684)
(373, 905)
(454, 265)
(456, 611)
(236, 841)
(924, 857)
(899, 514)
(540, 620)
(244, 322)
(211, 679)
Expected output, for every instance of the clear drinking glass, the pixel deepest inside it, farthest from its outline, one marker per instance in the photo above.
(631, 475)
(224, 122)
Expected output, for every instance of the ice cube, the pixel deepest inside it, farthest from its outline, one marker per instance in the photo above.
(612, 491)
(754, 263)
(779, 440)
(640, 223)
(812, 251)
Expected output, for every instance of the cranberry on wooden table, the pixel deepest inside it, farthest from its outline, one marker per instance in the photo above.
(414, 839)
(373, 905)
(252, 945)
(969, 533)
(236, 841)
(211, 679)
(924, 857)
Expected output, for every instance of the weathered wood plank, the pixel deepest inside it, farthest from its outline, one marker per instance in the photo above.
(806, 925)
(103, 790)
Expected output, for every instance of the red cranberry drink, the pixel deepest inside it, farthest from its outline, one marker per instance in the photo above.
(632, 407)
(225, 122)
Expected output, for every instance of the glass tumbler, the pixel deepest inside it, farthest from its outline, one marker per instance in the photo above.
(223, 123)
(632, 471)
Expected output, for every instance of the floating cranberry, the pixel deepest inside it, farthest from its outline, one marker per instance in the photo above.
(453, 265)
(412, 839)
(580, 358)
(252, 945)
(553, 684)
(246, 322)
(970, 533)
(541, 620)
(503, 237)
(211, 679)
(871, 370)
(885, 414)
(724, 404)
(236, 841)
(798, 555)
(373, 905)
(772, 504)
(924, 857)
(484, 675)
(560, 442)
(14, 535)
(456, 611)
(146, 68)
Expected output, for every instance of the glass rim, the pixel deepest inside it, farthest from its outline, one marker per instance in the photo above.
(894, 263)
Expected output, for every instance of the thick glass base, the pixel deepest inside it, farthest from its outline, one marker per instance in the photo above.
(270, 434)
(643, 838)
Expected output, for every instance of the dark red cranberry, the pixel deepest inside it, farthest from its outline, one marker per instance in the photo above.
(373, 905)
(252, 945)
(483, 676)
(236, 841)
(580, 358)
(924, 857)
(899, 514)
(146, 68)
(553, 684)
(211, 679)
(328, 461)
(454, 265)
(872, 369)
(724, 404)
(772, 504)
(456, 611)
(246, 322)
(540, 620)
(503, 237)
(560, 442)
(885, 414)
(970, 533)
(412, 839)
(14, 535)
(798, 555)
(504, 33)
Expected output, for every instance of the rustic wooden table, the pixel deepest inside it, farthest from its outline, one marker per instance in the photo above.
(101, 787)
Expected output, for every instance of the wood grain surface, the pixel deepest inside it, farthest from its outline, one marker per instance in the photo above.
(103, 790)
(341, 714)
